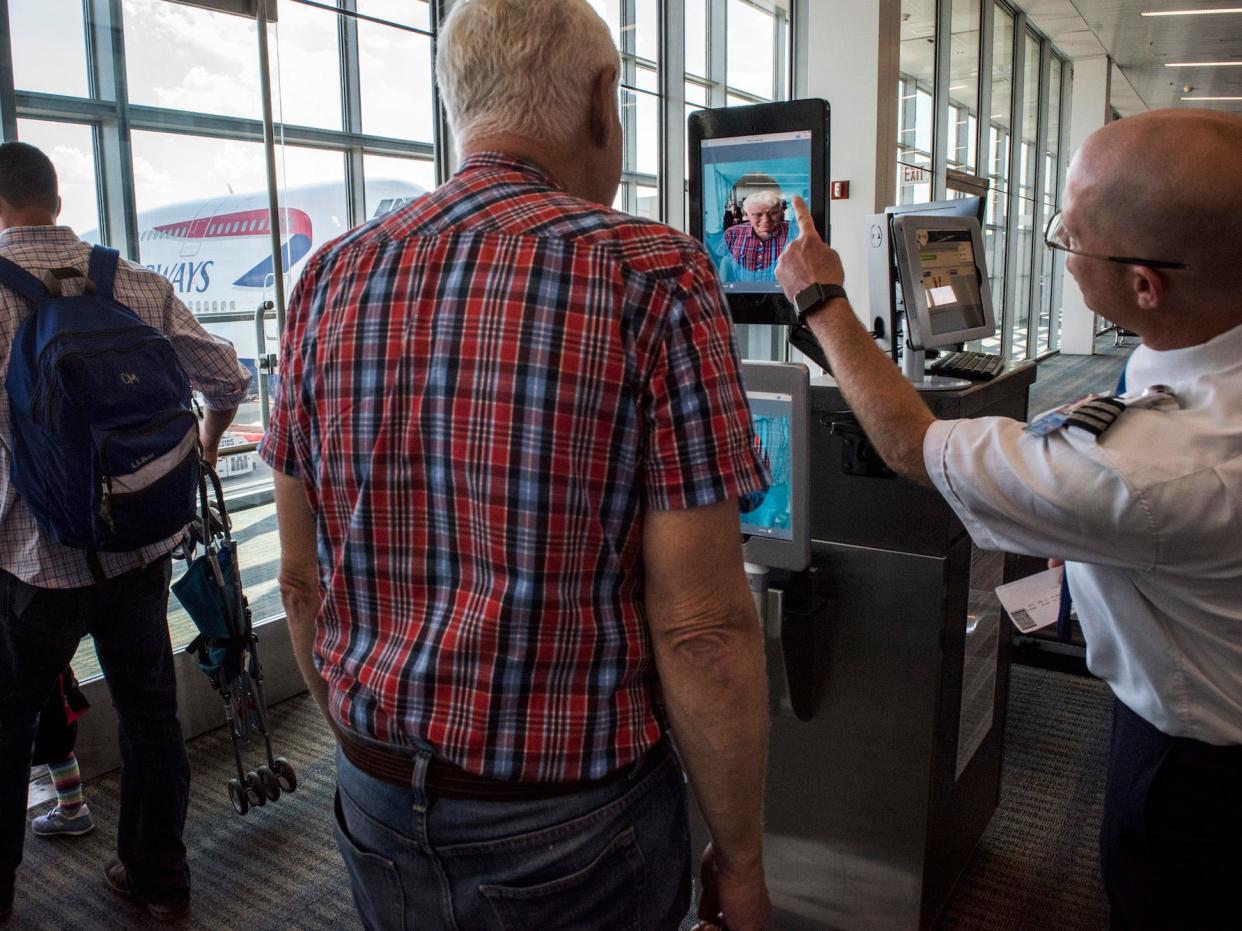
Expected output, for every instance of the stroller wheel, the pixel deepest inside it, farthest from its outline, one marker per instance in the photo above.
(254, 790)
(271, 785)
(237, 796)
(284, 772)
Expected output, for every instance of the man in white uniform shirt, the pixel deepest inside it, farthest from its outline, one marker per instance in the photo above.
(1147, 515)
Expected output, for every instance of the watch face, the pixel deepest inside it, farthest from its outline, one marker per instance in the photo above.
(809, 297)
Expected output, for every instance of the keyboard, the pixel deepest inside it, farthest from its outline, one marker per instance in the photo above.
(974, 366)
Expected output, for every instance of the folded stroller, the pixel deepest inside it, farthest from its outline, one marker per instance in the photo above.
(226, 647)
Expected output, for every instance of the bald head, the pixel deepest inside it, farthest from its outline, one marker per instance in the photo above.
(1164, 185)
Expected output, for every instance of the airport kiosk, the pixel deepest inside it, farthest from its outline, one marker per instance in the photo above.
(887, 653)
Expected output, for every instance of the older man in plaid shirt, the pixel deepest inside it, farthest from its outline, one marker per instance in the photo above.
(509, 445)
(759, 242)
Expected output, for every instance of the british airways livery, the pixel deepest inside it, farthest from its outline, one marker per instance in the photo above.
(217, 252)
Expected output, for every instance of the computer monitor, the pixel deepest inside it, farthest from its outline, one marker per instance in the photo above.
(944, 280)
(776, 524)
(746, 164)
(889, 281)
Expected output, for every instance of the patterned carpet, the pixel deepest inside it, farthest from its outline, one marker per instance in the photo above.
(278, 868)
(1037, 865)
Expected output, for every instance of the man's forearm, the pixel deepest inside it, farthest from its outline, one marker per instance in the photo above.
(704, 669)
(212, 429)
(300, 614)
(886, 405)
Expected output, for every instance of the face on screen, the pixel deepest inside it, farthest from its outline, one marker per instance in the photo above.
(748, 186)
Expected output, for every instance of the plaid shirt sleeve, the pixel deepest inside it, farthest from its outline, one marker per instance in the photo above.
(209, 361)
(700, 443)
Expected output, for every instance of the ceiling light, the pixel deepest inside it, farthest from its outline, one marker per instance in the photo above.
(1203, 64)
(1212, 98)
(1225, 9)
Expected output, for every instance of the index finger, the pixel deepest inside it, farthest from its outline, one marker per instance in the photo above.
(802, 213)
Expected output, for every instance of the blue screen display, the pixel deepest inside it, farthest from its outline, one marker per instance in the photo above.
(748, 186)
(767, 514)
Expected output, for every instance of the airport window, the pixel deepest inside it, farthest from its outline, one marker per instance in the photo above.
(395, 73)
(71, 147)
(383, 176)
(1028, 156)
(985, 135)
(180, 57)
(41, 30)
(752, 50)
(964, 86)
(1053, 273)
(416, 13)
(915, 112)
(307, 67)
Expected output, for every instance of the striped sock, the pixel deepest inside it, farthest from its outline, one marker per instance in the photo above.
(68, 782)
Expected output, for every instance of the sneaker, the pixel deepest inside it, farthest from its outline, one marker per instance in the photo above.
(56, 822)
(118, 882)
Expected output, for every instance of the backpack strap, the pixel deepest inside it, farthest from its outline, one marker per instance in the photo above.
(16, 278)
(102, 270)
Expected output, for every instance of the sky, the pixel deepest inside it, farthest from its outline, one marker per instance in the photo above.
(184, 58)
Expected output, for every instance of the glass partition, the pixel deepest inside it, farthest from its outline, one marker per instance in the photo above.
(1028, 157)
(916, 104)
(71, 147)
(964, 86)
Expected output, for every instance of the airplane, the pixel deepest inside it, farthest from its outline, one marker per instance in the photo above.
(217, 253)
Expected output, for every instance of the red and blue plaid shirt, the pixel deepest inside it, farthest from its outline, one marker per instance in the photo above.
(483, 393)
(752, 253)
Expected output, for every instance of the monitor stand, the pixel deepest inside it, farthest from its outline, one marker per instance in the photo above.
(912, 366)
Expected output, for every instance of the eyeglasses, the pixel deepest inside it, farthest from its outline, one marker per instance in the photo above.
(1056, 236)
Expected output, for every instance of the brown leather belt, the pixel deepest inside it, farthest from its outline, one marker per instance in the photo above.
(445, 780)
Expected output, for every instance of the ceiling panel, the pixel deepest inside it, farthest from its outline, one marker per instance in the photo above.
(1141, 46)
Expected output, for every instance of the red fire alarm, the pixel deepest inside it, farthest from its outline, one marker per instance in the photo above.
(840, 190)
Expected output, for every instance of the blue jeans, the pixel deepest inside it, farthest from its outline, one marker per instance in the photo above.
(615, 857)
(40, 629)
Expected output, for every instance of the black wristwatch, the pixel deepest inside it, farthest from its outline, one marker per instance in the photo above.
(812, 298)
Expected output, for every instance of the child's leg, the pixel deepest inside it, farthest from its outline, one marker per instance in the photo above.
(68, 782)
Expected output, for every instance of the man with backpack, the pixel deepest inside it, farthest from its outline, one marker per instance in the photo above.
(99, 453)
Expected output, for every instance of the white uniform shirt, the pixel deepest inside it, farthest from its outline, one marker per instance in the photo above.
(1149, 519)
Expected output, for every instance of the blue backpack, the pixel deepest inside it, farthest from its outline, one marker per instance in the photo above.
(105, 442)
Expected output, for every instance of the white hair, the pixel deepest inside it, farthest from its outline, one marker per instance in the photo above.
(767, 198)
(525, 67)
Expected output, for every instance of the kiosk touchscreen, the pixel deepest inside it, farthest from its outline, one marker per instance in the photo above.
(944, 280)
(777, 523)
(746, 164)
(929, 269)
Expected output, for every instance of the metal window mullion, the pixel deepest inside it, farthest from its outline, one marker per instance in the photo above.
(269, 153)
(983, 124)
(778, 58)
(1058, 265)
(351, 111)
(114, 152)
(800, 41)
(629, 113)
(1016, 85)
(444, 148)
(8, 92)
(671, 72)
(1037, 243)
(717, 52)
(940, 96)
